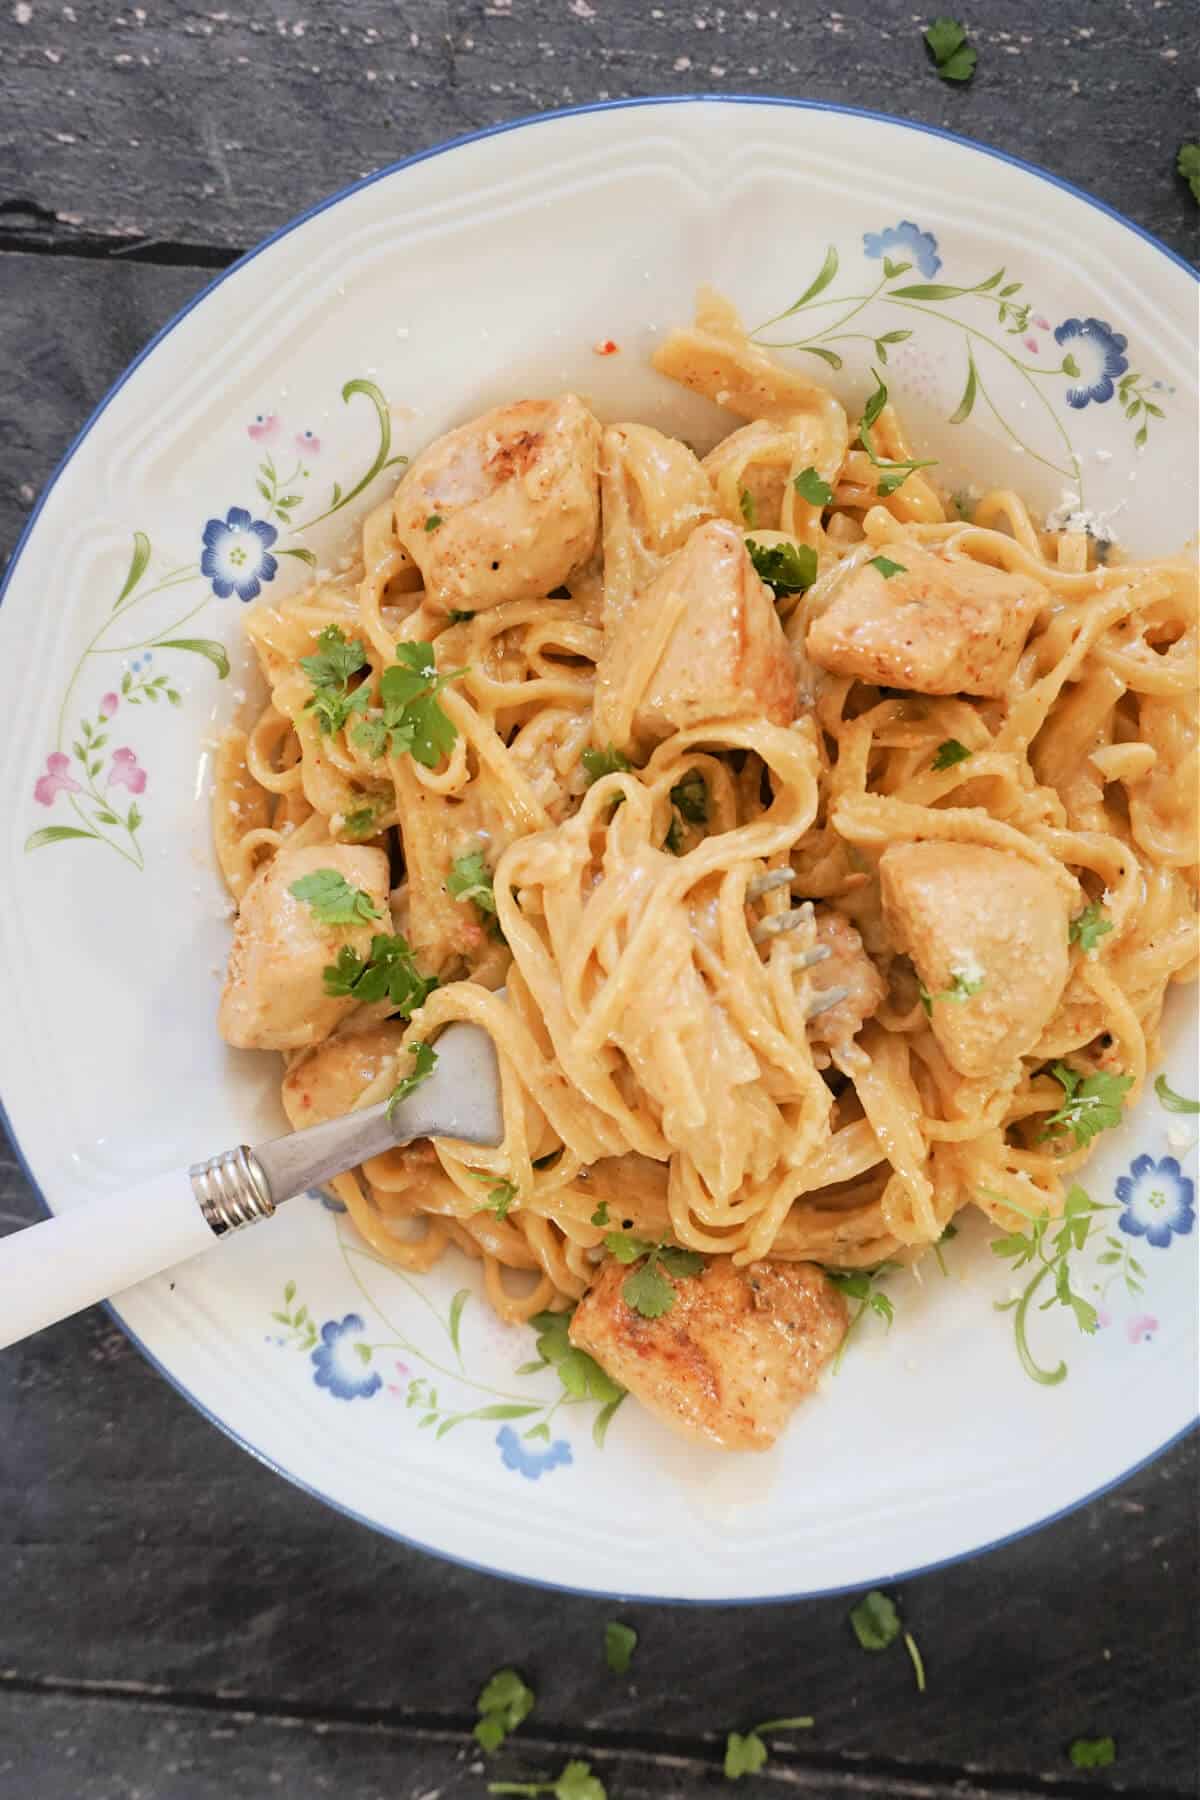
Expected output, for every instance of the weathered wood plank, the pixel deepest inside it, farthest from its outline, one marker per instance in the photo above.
(198, 125)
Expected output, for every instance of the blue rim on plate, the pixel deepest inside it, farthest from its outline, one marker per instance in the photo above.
(408, 162)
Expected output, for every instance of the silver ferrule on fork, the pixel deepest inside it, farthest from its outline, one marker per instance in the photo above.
(231, 1190)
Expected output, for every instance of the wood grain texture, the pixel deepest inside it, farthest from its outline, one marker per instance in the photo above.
(245, 1639)
(196, 125)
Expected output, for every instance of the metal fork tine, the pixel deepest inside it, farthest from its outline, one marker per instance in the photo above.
(766, 929)
(826, 998)
(766, 884)
(805, 959)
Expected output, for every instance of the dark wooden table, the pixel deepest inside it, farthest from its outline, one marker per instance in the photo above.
(175, 1622)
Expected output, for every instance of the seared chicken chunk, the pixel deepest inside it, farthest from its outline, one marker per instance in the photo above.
(848, 966)
(940, 626)
(734, 1355)
(326, 1083)
(706, 636)
(274, 997)
(503, 508)
(987, 931)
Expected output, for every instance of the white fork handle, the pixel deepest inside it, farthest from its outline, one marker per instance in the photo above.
(50, 1270)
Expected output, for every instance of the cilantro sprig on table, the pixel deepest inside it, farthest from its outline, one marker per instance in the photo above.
(648, 1291)
(331, 899)
(1052, 1259)
(1093, 1103)
(388, 973)
(1188, 164)
(575, 1783)
(425, 1062)
(410, 718)
(504, 1701)
(893, 473)
(876, 1623)
(746, 1751)
(1093, 1753)
(786, 568)
(329, 669)
(1089, 927)
(620, 1642)
(953, 57)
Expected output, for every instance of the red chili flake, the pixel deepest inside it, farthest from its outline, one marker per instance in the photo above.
(606, 347)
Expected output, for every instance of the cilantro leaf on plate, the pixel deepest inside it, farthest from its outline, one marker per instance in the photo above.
(747, 507)
(949, 753)
(811, 487)
(1093, 1103)
(425, 1061)
(887, 568)
(470, 879)
(786, 568)
(608, 761)
(410, 718)
(1089, 927)
(388, 973)
(331, 899)
(690, 797)
(329, 669)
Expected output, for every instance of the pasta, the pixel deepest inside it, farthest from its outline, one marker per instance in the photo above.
(780, 899)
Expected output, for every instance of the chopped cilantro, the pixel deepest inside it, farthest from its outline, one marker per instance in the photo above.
(608, 761)
(458, 617)
(410, 718)
(332, 900)
(647, 1290)
(1093, 1753)
(875, 1620)
(1025, 1248)
(950, 752)
(433, 521)
(470, 879)
(952, 55)
(423, 1066)
(359, 824)
(1093, 1103)
(581, 1376)
(894, 473)
(600, 1216)
(674, 838)
(503, 1702)
(887, 568)
(620, 1642)
(501, 1197)
(336, 659)
(388, 973)
(575, 1783)
(963, 983)
(786, 568)
(810, 486)
(1176, 1103)
(1089, 927)
(862, 1285)
(746, 1752)
(748, 509)
(1188, 164)
(690, 796)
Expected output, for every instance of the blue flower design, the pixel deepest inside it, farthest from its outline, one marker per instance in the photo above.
(1099, 352)
(340, 1363)
(235, 556)
(1159, 1201)
(329, 1201)
(532, 1464)
(907, 240)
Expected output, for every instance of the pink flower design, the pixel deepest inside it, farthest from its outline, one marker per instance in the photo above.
(1141, 1329)
(1103, 1318)
(307, 442)
(56, 780)
(263, 426)
(1031, 343)
(124, 772)
(108, 705)
(1042, 324)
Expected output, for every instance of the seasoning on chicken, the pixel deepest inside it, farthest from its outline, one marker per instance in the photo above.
(847, 966)
(274, 997)
(987, 932)
(503, 508)
(326, 1083)
(736, 1353)
(701, 642)
(937, 626)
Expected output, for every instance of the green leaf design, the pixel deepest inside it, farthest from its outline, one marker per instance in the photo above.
(289, 1292)
(929, 290)
(137, 566)
(824, 276)
(827, 356)
(603, 1420)
(304, 556)
(892, 269)
(381, 459)
(208, 647)
(504, 1412)
(963, 409)
(456, 1312)
(992, 281)
(57, 834)
(363, 1352)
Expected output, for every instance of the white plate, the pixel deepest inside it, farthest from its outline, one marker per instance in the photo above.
(462, 278)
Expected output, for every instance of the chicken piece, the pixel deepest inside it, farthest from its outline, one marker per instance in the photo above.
(940, 626)
(701, 642)
(987, 931)
(326, 1083)
(274, 997)
(848, 966)
(505, 507)
(736, 1352)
